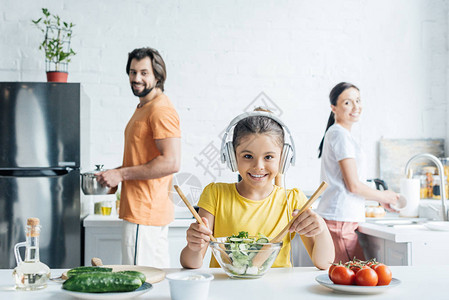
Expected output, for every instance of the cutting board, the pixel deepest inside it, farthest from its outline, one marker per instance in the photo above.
(153, 275)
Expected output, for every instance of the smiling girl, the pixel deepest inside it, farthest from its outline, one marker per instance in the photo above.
(342, 205)
(255, 204)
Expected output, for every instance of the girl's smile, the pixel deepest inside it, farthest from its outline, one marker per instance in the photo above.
(258, 157)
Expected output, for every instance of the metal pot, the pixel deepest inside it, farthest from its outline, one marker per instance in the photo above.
(91, 186)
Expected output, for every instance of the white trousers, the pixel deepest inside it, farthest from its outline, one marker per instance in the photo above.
(145, 245)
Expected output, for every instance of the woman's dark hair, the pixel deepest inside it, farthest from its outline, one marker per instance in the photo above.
(257, 125)
(333, 97)
(160, 73)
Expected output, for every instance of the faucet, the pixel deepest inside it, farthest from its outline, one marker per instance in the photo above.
(439, 165)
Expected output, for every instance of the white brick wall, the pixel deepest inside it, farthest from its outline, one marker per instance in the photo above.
(221, 54)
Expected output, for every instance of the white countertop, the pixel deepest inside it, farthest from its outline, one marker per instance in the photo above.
(398, 233)
(113, 220)
(402, 233)
(423, 282)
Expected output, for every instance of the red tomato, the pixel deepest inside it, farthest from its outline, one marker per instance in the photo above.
(356, 268)
(342, 275)
(383, 273)
(331, 268)
(366, 277)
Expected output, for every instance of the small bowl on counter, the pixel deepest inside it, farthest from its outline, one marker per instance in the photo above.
(189, 285)
(239, 260)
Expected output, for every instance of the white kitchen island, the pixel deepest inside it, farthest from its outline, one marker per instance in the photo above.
(421, 282)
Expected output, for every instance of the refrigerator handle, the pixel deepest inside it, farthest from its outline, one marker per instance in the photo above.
(35, 172)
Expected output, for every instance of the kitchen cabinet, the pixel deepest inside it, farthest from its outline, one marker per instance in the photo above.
(103, 237)
(386, 251)
(404, 245)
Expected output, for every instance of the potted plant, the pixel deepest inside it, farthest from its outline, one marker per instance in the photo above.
(56, 45)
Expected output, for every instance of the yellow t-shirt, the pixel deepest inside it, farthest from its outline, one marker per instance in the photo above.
(234, 213)
(147, 202)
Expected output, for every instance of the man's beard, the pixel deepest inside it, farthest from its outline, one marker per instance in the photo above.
(143, 93)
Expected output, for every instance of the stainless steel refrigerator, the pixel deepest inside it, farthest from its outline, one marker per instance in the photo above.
(39, 169)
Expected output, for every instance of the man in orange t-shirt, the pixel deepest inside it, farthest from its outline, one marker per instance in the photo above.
(152, 154)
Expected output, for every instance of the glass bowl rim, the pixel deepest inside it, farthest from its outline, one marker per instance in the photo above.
(217, 242)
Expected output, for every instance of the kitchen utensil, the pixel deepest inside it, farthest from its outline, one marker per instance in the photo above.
(96, 262)
(153, 275)
(224, 255)
(91, 186)
(189, 285)
(378, 184)
(242, 254)
(263, 255)
(437, 225)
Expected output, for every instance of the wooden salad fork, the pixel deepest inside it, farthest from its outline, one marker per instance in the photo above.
(224, 256)
(264, 252)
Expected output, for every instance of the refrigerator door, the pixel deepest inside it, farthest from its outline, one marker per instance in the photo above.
(39, 124)
(53, 197)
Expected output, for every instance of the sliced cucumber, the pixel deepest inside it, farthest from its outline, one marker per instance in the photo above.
(235, 240)
(262, 240)
(243, 249)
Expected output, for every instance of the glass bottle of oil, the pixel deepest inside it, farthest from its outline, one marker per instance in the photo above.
(30, 274)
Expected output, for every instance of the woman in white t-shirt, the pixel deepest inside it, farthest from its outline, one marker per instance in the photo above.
(342, 205)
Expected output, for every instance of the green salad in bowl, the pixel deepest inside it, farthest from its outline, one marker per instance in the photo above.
(244, 256)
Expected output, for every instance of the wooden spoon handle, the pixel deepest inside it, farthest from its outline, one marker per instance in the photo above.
(264, 253)
(192, 210)
(96, 262)
(306, 206)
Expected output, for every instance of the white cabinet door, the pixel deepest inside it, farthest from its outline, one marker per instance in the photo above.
(397, 254)
(373, 247)
(176, 242)
(300, 257)
(104, 243)
(386, 251)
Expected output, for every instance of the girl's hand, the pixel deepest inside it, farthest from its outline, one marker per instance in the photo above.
(198, 235)
(308, 223)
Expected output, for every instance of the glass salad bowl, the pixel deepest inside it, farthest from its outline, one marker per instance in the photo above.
(249, 257)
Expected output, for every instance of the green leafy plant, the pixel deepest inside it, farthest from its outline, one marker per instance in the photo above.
(56, 43)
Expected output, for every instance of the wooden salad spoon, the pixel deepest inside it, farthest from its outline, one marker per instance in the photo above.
(264, 252)
(224, 256)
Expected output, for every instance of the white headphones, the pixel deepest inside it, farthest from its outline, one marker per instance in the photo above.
(227, 152)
